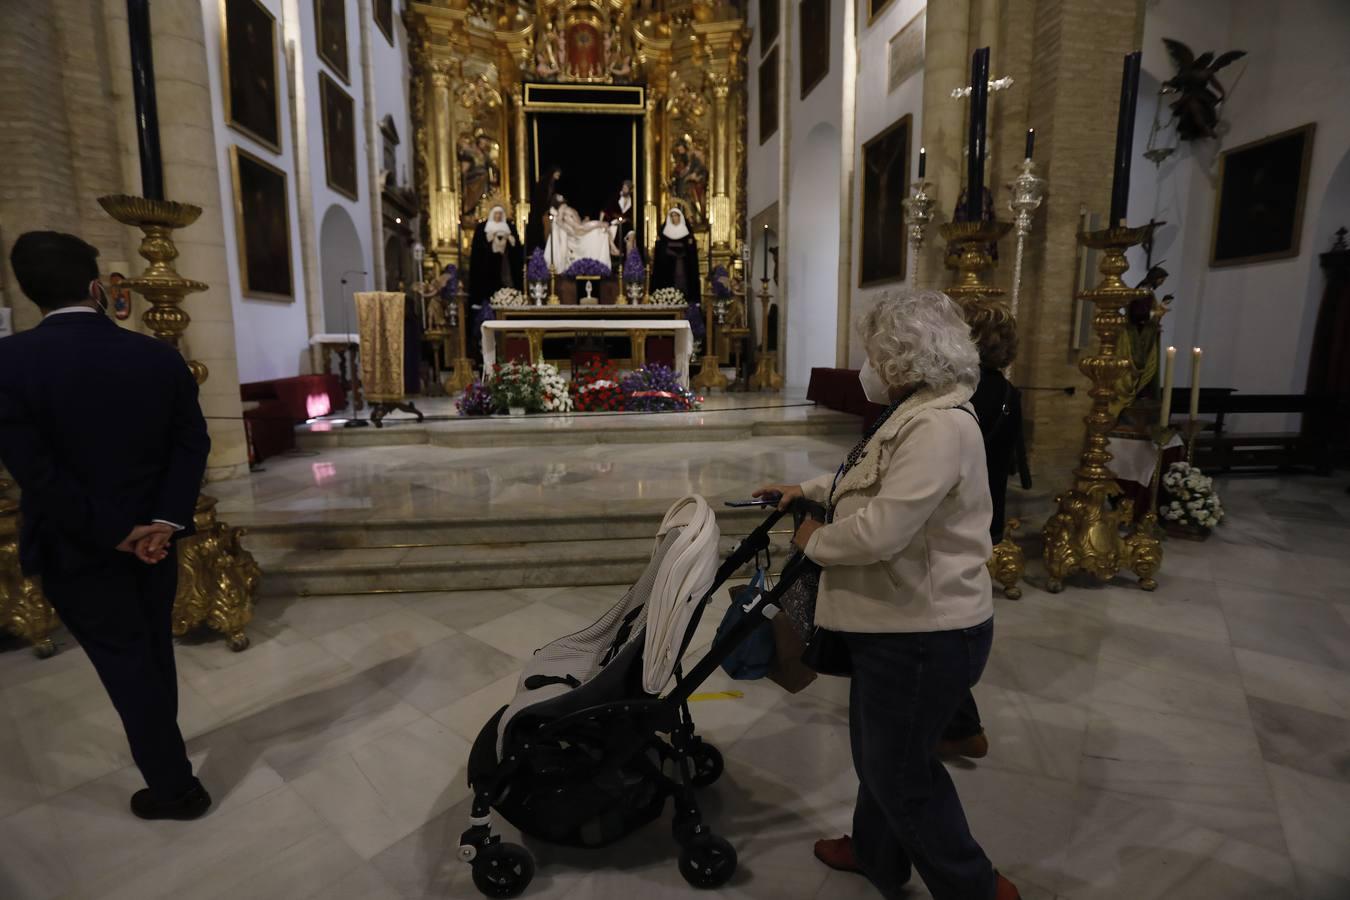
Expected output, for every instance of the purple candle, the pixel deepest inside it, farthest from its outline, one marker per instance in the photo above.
(1120, 179)
(979, 104)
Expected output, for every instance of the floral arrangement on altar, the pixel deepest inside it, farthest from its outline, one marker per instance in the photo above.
(634, 271)
(588, 268)
(668, 296)
(516, 385)
(536, 269)
(476, 400)
(657, 388)
(507, 297)
(556, 396)
(597, 390)
(1189, 500)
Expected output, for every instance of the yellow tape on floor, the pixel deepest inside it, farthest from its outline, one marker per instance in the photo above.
(717, 695)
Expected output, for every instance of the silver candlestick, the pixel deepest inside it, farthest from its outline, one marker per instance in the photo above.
(918, 213)
(1027, 193)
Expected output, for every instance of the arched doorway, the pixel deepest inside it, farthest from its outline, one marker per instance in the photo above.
(340, 259)
(813, 256)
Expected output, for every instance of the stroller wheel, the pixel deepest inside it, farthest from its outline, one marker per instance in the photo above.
(708, 862)
(503, 870)
(708, 764)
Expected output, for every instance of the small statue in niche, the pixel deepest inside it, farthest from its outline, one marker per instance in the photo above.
(1199, 93)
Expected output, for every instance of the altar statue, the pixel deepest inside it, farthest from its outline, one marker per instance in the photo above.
(496, 258)
(675, 260)
(621, 214)
(573, 239)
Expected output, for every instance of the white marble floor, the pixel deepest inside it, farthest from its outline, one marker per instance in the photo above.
(1193, 743)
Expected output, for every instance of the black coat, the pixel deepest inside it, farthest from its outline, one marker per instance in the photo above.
(486, 274)
(999, 406)
(101, 429)
(675, 264)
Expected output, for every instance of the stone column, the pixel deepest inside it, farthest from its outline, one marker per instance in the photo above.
(191, 175)
(847, 167)
(373, 142)
(946, 67)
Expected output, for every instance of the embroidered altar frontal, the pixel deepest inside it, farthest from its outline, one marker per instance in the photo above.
(380, 320)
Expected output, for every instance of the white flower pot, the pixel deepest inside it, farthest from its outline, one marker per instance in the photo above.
(517, 410)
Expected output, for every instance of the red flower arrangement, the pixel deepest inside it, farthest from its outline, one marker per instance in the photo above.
(597, 390)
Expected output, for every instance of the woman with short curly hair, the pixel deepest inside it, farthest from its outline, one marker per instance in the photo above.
(904, 585)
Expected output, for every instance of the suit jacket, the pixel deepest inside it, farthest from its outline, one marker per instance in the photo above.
(999, 406)
(101, 429)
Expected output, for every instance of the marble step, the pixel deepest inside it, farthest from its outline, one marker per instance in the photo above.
(308, 572)
(634, 522)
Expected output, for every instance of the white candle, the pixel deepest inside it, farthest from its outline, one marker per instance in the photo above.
(1168, 372)
(1195, 382)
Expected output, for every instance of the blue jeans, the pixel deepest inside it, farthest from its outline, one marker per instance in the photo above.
(905, 689)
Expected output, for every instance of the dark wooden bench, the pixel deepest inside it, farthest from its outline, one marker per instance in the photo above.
(1219, 450)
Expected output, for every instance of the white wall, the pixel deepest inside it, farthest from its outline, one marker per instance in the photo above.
(1254, 321)
(877, 109)
(272, 337)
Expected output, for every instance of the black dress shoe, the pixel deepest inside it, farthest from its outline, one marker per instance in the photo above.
(192, 805)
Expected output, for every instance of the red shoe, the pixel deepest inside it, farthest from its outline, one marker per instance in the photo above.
(838, 854)
(1005, 889)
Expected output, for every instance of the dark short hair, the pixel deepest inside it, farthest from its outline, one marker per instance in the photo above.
(994, 331)
(54, 269)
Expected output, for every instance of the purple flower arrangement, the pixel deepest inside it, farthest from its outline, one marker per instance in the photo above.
(476, 400)
(634, 272)
(655, 388)
(588, 268)
(451, 287)
(721, 282)
(537, 268)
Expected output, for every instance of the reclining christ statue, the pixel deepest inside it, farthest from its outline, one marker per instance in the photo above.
(572, 239)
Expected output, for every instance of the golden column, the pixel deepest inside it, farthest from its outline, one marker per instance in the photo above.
(444, 199)
(1087, 534)
(217, 578)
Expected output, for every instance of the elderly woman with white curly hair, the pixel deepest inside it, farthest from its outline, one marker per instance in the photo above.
(903, 582)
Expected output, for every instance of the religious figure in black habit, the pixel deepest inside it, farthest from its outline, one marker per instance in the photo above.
(541, 204)
(497, 259)
(621, 214)
(675, 265)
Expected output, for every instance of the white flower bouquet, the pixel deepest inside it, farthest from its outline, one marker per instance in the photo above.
(556, 396)
(507, 297)
(1189, 499)
(668, 296)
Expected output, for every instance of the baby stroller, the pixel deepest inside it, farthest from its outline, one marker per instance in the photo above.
(591, 747)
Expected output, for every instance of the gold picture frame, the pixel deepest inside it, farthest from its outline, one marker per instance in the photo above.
(250, 86)
(884, 173)
(262, 227)
(339, 137)
(330, 36)
(1259, 199)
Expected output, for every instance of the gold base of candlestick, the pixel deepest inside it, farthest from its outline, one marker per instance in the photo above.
(460, 378)
(217, 578)
(1008, 563)
(709, 375)
(766, 377)
(24, 611)
(973, 262)
(553, 298)
(1088, 532)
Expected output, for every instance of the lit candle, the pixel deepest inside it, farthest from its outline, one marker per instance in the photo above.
(1196, 353)
(1168, 373)
(979, 105)
(1031, 142)
(923, 162)
(1120, 179)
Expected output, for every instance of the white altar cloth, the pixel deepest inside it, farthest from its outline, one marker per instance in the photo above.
(1135, 460)
(684, 335)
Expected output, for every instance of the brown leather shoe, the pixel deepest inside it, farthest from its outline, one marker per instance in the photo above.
(838, 854)
(974, 747)
(1005, 889)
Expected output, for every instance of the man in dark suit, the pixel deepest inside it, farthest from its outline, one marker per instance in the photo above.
(101, 429)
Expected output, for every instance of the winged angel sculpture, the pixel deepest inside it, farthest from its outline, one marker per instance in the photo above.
(1199, 93)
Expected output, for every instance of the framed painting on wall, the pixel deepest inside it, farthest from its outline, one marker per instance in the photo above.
(262, 227)
(339, 136)
(248, 53)
(768, 24)
(875, 8)
(885, 179)
(904, 53)
(814, 22)
(384, 18)
(330, 31)
(1258, 213)
(768, 96)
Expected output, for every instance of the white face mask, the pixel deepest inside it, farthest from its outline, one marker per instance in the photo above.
(874, 389)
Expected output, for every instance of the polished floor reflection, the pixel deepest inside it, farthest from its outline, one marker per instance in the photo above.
(1190, 744)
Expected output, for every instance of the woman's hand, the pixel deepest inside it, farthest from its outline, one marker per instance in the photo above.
(808, 527)
(786, 493)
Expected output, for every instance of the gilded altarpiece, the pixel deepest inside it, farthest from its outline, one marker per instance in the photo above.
(676, 68)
